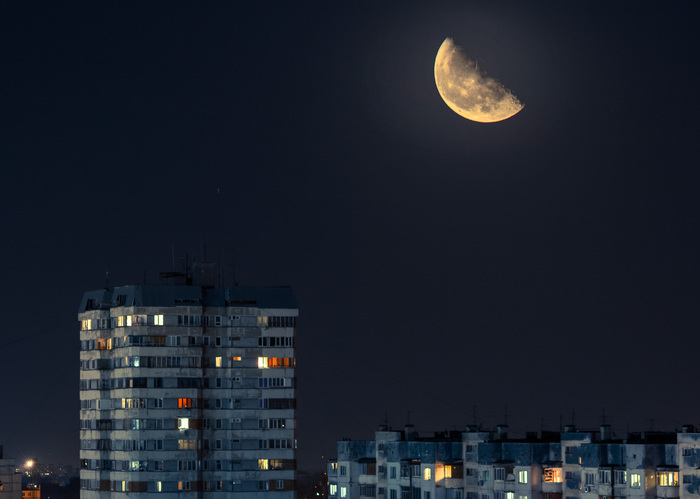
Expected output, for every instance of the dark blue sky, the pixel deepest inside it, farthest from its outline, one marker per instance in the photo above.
(547, 263)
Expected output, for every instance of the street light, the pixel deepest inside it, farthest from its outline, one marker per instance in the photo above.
(32, 472)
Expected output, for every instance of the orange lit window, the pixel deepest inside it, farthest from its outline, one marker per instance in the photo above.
(278, 361)
(668, 478)
(184, 403)
(448, 471)
(237, 359)
(552, 475)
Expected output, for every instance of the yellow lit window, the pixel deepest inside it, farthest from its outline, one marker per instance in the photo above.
(510, 495)
(448, 471)
(183, 423)
(668, 478)
(262, 362)
(635, 480)
(128, 320)
(262, 321)
(522, 476)
(159, 486)
(186, 444)
(427, 473)
(219, 361)
(262, 464)
(158, 320)
(120, 321)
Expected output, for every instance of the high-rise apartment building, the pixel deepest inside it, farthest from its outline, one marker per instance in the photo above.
(187, 391)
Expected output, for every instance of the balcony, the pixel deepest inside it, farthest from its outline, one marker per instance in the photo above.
(552, 487)
(367, 479)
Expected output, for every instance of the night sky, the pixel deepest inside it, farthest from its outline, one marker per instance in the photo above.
(544, 267)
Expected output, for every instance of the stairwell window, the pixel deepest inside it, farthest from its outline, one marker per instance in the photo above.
(522, 476)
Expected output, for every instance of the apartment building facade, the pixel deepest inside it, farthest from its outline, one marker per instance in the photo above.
(570, 464)
(10, 479)
(187, 391)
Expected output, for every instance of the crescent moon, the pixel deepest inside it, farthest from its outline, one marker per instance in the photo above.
(468, 91)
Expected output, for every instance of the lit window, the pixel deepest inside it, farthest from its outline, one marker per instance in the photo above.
(237, 359)
(448, 471)
(262, 362)
(522, 476)
(620, 477)
(157, 320)
(186, 444)
(183, 485)
(218, 362)
(183, 423)
(184, 403)
(343, 491)
(128, 320)
(262, 464)
(332, 489)
(552, 475)
(120, 321)
(159, 486)
(427, 473)
(510, 495)
(667, 478)
(136, 361)
(635, 480)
